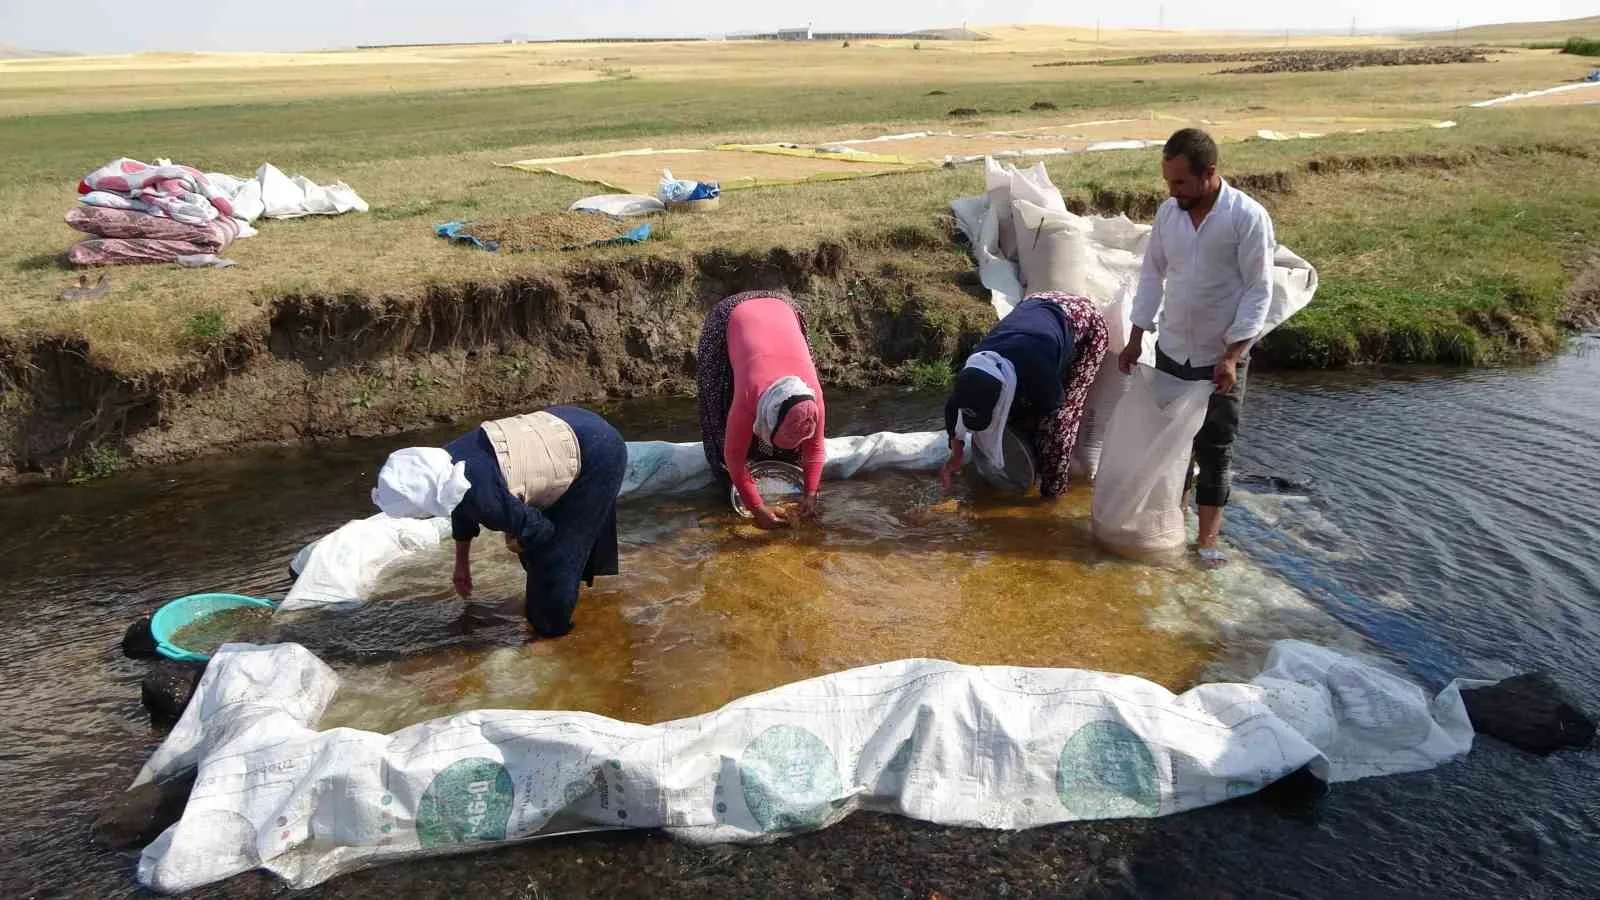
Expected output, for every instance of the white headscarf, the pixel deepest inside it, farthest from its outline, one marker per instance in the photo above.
(772, 400)
(420, 483)
(990, 442)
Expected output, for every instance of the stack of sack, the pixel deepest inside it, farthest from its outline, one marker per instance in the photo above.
(135, 212)
(138, 213)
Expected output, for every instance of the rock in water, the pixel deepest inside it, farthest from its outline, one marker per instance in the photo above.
(140, 815)
(167, 688)
(1531, 712)
(138, 642)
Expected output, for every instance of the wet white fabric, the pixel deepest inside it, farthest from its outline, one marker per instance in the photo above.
(341, 569)
(991, 441)
(772, 400)
(420, 483)
(1138, 490)
(973, 746)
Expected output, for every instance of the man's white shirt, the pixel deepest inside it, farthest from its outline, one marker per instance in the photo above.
(1211, 285)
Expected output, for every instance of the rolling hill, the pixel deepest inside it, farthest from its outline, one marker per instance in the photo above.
(1515, 32)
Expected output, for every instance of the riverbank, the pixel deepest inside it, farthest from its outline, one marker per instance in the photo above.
(1455, 245)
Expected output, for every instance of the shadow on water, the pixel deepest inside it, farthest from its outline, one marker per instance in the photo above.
(1447, 526)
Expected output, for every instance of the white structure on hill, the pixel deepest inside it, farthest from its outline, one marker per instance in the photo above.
(795, 34)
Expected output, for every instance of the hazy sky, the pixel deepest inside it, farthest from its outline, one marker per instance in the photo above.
(118, 25)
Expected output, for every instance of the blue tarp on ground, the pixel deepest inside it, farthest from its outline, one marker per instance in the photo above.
(461, 232)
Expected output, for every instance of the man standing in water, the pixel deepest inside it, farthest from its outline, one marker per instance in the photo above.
(1208, 272)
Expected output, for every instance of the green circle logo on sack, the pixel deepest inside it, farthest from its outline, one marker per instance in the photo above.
(790, 779)
(1105, 772)
(469, 801)
(575, 791)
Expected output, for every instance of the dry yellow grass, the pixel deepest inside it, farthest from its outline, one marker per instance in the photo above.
(402, 127)
(141, 81)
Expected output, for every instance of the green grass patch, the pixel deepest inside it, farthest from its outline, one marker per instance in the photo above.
(96, 462)
(1574, 46)
(204, 327)
(928, 375)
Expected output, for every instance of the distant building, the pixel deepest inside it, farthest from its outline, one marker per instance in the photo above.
(795, 34)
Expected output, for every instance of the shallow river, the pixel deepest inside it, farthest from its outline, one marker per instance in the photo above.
(1442, 520)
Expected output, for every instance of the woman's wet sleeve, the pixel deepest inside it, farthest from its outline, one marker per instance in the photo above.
(463, 527)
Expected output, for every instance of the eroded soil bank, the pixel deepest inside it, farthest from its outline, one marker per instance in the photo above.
(318, 367)
(898, 305)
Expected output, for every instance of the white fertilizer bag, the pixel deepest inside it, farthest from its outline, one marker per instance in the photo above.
(1138, 490)
(971, 746)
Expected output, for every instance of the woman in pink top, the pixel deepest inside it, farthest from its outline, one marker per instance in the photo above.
(759, 396)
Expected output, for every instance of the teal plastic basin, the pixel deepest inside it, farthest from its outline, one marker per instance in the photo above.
(177, 614)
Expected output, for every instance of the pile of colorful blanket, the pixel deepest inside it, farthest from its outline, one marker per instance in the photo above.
(138, 213)
(135, 212)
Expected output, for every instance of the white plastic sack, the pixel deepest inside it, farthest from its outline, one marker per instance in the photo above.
(991, 747)
(1294, 280)
(848, 457)
(1104, 395)
(1591, 87)
(290, 198)
(619, 205)
(274, 195)
(675, 190)
(1134, 144)
(342, 569)
(1088, 256)
(1294, 283)
(1138, 489)
(1052, 249)
(657, 468)
(1007, 185)
(986, 221)
(1119, 232)
(243, 193)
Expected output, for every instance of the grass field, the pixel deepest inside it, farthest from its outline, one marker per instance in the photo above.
(1419, 253)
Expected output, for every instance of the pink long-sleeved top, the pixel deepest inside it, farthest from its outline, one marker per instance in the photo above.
(765, 344)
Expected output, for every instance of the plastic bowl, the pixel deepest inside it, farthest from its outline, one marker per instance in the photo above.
(177, 614)
(778, 482)
(1020, 470)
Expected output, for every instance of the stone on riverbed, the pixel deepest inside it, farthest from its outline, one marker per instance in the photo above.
(1531, 712)
(167, 688)
(138, 816)
(139, 642)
